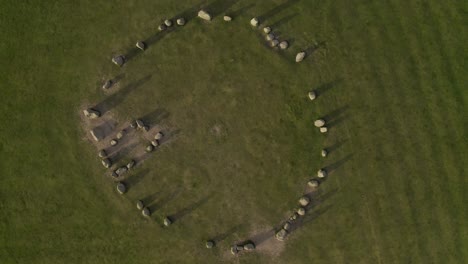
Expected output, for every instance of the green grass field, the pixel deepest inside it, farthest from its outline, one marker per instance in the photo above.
(392, 79)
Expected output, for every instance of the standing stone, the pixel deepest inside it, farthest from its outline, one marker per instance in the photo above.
(102, 153)
(204, 15)
(155, 143)
(274, 43)
(106, 163)
(210, 244)
(254, 22)
(168, 22)
(131, 164)
(159, 136)
(300, 56)
(287, 226)
(167, 221)
(149, 148)
(313, 183)
(249, 246)
(227, 18)
(281, 235)
(319, 123)
(140, 123)
(267, 30)
(146, 212)
(180, 21)
(140, 205)
(108, 84)
(121, 171)
(293, 217)
(145, 128)
(114, 142)
(141, 45)
(270, 37)
(234, 250)
(304, 201)
(121, 188)
(121, 134)
(284, 45)
(133, 124)
(91, 113)
(312, 95)
(322, 173)
(323, 130)
(324, 153)
(119, 60)
(162, 27)
(301, 211)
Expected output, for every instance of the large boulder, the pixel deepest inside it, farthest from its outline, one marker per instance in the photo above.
(140, 123)
(287, 226)
(300, 56)
(304, 201)
(107, 85)
(210, 244)
(284, 45)
(312, 95)
(270, 37)
(119, 60)
(323, 130)
(167, 221)
(149, 148)
(274, 43)
(121, 188)
(254, 22)
(281, 235)
(319, 123)
(131, 164)
(162, 27)
(204, 15)
(313, 183)
(301, 211)
(155, 143)
(267, 30)
(102, 153)
(106, 163)
(322, 173)
(180, 21)
(324, 153)
(121, 171)
(121, 134)
(249, 246)
(97, 134)
(293, 217)
(141, 45)
(114, 142)
(227, 18)
(140, 205)
(146, 212)
(158, 136)
(168, 22)
(91, 113)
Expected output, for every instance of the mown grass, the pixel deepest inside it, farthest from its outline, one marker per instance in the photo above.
(392, 76)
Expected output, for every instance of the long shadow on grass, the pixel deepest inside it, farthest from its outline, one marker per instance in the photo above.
(324, 88)
(277, 9)
(165, 200)
(116, 98)
(226, 234)
(190, 208)
(333, 148)
(335, 117)
(240, 11)
(282, 21)
(133, 180)
(338, 164)
(155, 117)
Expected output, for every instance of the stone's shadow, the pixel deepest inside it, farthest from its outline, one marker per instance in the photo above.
(147, 200)
(311, 49)
(309, 217)
(260, 238)
(226, 234)
(336, 146)
(336, 165)
(219, 7)
(164, 200)
(155, 117)
(116, 98)
(106, 129)
(282, 21)
(119, 154)
(335, 117)
(277, 10)
(240, 11)
(117, 79)
(132, 181)
(169, 136)
(324, 88)
(190, 208)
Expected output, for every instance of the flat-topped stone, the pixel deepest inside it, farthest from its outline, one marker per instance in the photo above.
(141, 45)
(300, 56)
(312, 95)
(119, 60)
(254, 22)
(180, 21)
(204, 15)
(106, 163)
(322, 173)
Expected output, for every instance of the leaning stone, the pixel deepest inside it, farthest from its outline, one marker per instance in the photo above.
(91, 113)
(324, 153)
(274, 43)
(106, 163)
(121, 134)
(284, 45)
(281, 235)
(254, 22)
(249, 246)
(210, 244)
(146, 212)
(140, 205)
(141, 45)
(181, 21)
(119, 60)
(121, 171)
(102, 153)
(312, 95)
(319, 123)
(304, 201)
(313, 183)
(162, 27)
(131, 164)
(227, 18)
(121, 188)
(287, 226)
(301, 211)
(97, 134)
(167, 221)
(107, 84)
(270, 37)
(323, 130)
(159, 136)
(155, 143)
(168, 22)
(322, 173)
(149, 148)
(267, 30)
(204, 15)
(140, 123)
(300, 56)
(114, 142)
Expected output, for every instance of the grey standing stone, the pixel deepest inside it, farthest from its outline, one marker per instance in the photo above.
(249, 246)
(140, 205)
(274, 43)
(322, 173)
(301, 211)
(287, 226)
(131, 164)
(91, 113)
(102, 153)
(254, 22)
(119, 60)
(162, 27)
(323, 129)
(168, 22)
(312, 95)
(281, 235)
(304, 201)
(300, 56)
(210, 244)
(324, 153)
(141, 45)
(97, 134)
(270, 37)
(313, 183)
(155, 143)
(121, 171)
(158, 136)
(267, 30)
(114, 142)
(204, 15)
(146, 212)
(121, 188)
(149, 148)
(140, 123)
(284, 45)
(319, 123)
(181, 21)
(107, 85)
(227, 18)
(167, 221)
(121, 134)
(106, 163)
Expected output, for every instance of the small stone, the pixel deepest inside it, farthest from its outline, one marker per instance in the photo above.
(121, 134)
(106, 163)
(270, 37)
(155, 143)
(114, 142)
(304, 201)
(239, 248)
(121, 171)
(313, 183)
(158, 136)
(322, 173)
(168, 22)
(145, 128)
(91, 113)
(114, 175)
(121, 188)
(300, 56)
(293, 217)
(227, 18)
(319, 123)
(149, 148)
(131, 164)
(254, 22)
(139, 123)
(140, 205)
(162, 27)
(146, 212)
(108, 84)
(281, 235)
(284, 45)
(301, 211)
(167, 221)
(274, 43)
(133, 124)
(287, 226)
(249, 246)
(102, 153)
(267, 30)
(204, 15)
(141, 45)
(181, 21)
(324, 153)
(323, 130)
(234, 250)
(210, 244)
(119, 60)
(312, 95)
